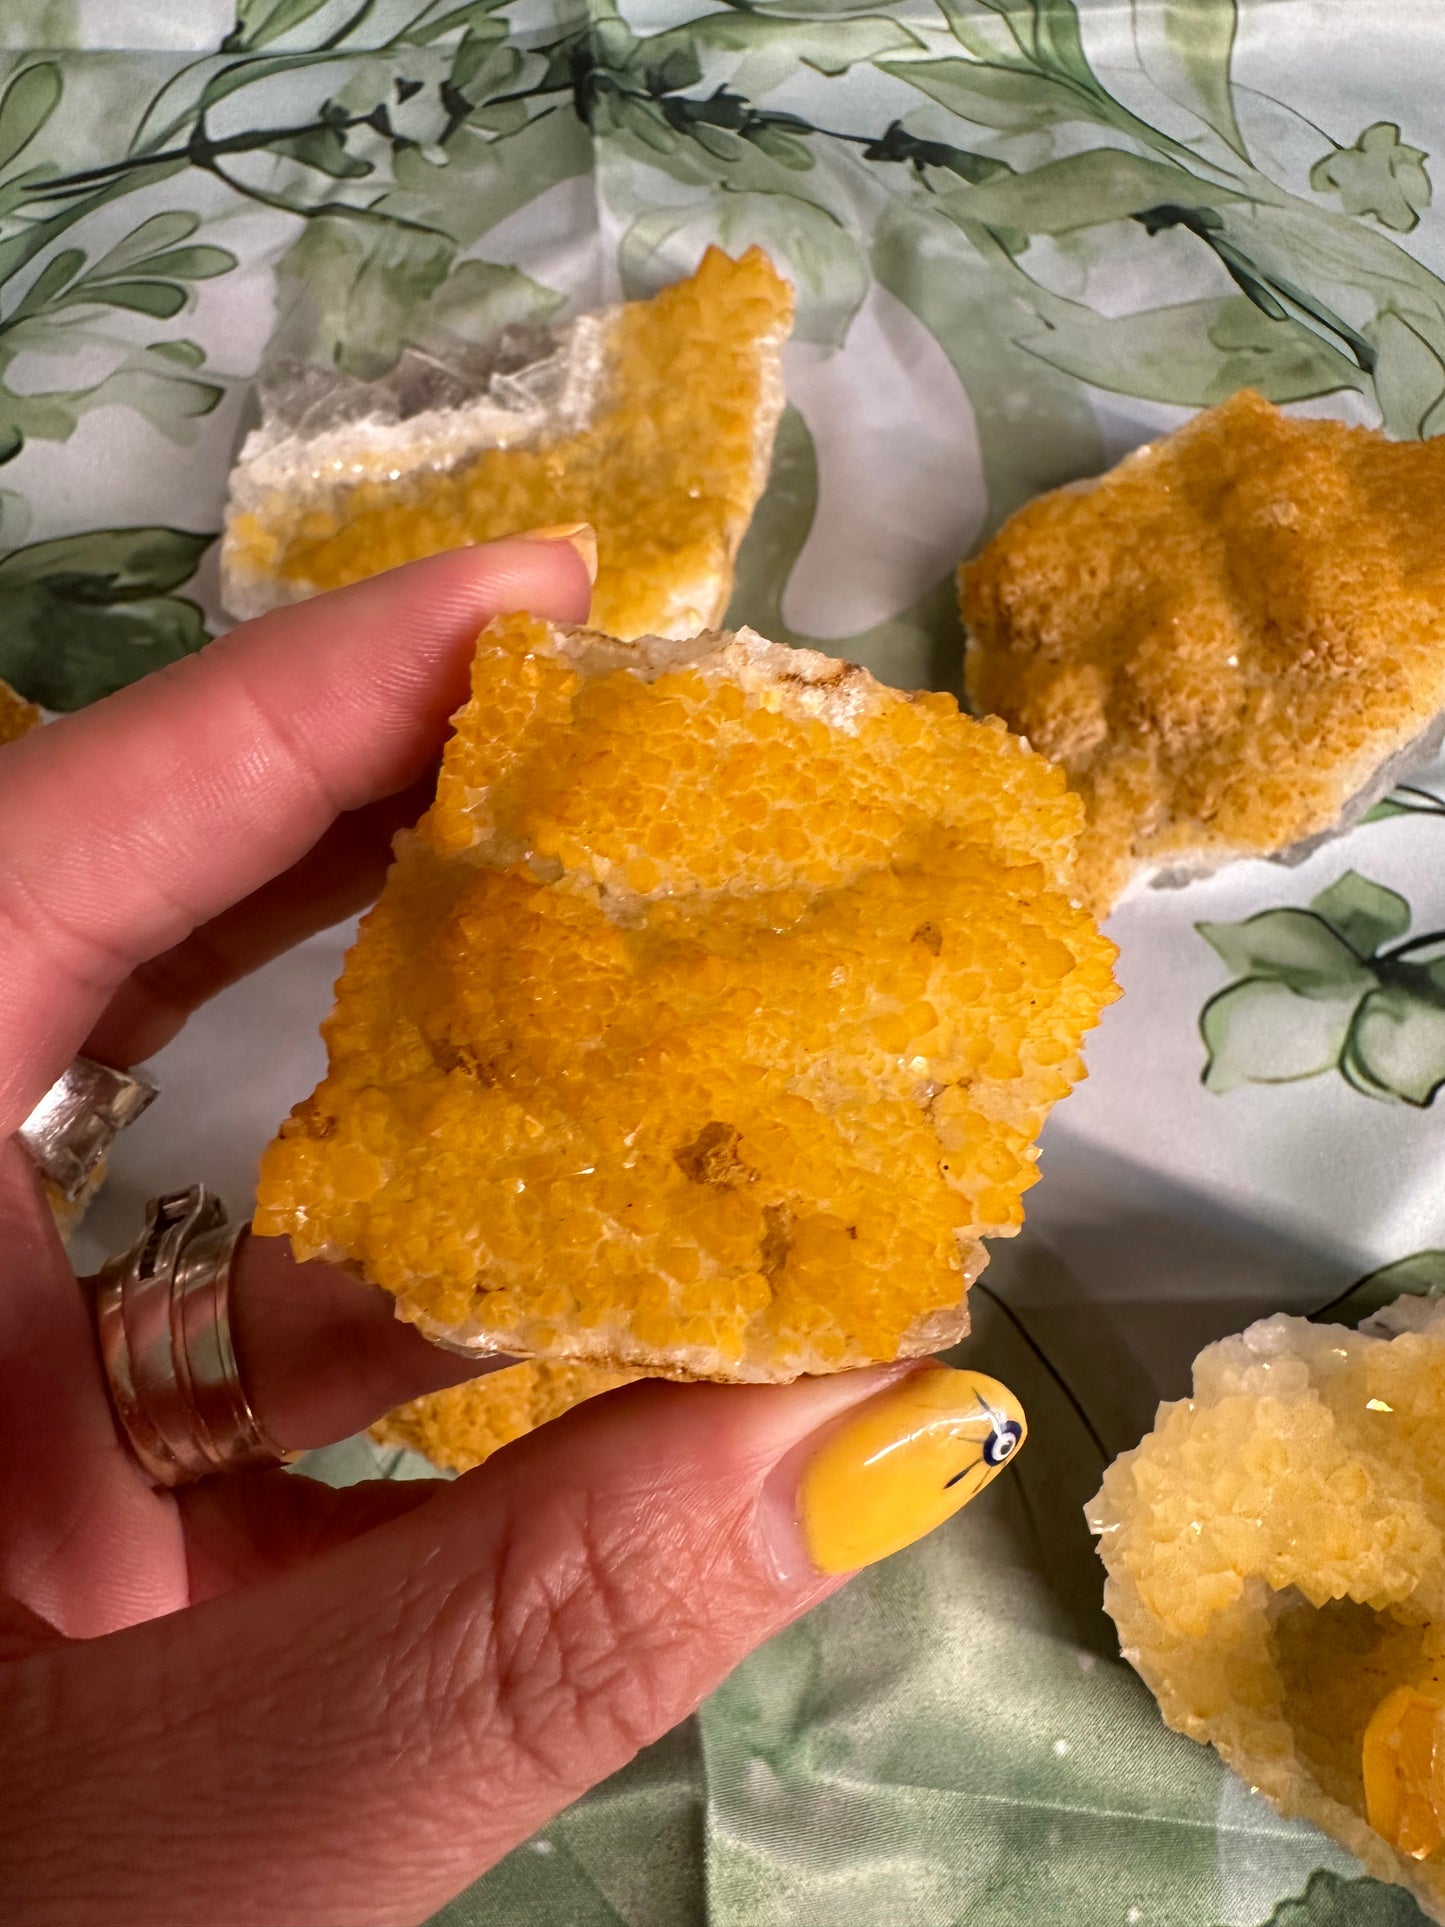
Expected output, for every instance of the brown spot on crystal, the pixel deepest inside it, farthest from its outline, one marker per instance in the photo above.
(777, 1239)
(712, 1157)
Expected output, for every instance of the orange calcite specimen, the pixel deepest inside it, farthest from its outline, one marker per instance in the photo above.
(16, 715)
(707, 1021)
(668, 467)
(1276, 1558)
(1226, 641)
(1403, 1765)
(462, 1426)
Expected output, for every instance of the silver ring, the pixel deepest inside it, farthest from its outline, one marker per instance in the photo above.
(162, 1316)
(72, 1128)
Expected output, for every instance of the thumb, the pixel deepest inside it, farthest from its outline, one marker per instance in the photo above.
(357, 1740)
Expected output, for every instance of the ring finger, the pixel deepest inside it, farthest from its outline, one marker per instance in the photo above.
(321, 1355)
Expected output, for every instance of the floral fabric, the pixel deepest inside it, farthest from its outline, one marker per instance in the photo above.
(1026, 235)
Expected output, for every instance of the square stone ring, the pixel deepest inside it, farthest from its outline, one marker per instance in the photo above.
(162, 1308)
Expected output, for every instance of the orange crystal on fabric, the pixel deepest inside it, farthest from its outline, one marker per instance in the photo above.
(1403, 1763)
(1225, 641)
(1276, 1558)
(463, 1426)
(16, 715)
(707, 1021)
(667, 470)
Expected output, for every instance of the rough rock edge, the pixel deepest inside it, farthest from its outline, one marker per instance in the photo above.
(609, 1348)
(930, 1332)
(1180, 871)
(278, 457)
(796, 683)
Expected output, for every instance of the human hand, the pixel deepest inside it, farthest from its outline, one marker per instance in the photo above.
(256, 1698)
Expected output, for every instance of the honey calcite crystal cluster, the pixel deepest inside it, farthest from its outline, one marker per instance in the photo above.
(1276, 1558)
(707, 1020)
(1233, 643)
(653, 421)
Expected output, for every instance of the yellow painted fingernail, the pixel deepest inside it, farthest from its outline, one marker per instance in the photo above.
(904, 1462)
(581, 535)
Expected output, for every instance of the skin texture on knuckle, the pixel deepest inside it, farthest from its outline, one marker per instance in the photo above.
(31, 926)
(585, 1645)
(593, 1621)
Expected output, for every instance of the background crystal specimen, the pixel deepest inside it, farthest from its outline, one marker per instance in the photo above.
(1233, 642)
(1276, 1557)
(653, 421)
(463, 1426)
(707, 1021)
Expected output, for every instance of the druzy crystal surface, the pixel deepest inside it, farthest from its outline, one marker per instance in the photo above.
(463, 1425)
(1276, 1558)
(707, 1021)
(1232, 642)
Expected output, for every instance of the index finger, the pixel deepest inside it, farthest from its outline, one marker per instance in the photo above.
(125, 826)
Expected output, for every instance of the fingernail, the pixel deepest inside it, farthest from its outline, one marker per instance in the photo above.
(581, 535)
(903, 1462)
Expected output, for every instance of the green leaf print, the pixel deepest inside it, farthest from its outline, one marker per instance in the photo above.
(1009, 99)
(1200, 34)
(1409, 375)
(1396, 1042)
(324, 149)
(84, 615)
(1378, 176)
(1319, 990)
(1262, 1032)
(1330, 1900)
(774, 47)
(170, 401)
(1085, 190)
(478, 300)
(1421, 1275)
(1365, 914)
(154, 238)
(259, 22)
(352, 290)
(26, 105)
(1296, 948)
(1035, 427)
(1196, 352)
